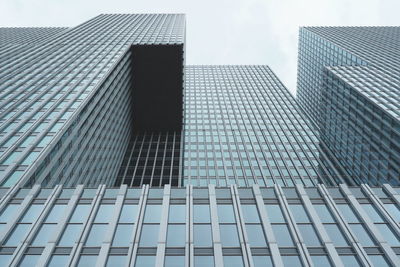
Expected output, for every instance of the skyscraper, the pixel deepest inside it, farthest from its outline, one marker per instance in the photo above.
(348, 84)
(116, 153)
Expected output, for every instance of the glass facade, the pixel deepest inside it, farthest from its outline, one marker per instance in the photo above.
(246, 175)
(209, 226)
(348, 84)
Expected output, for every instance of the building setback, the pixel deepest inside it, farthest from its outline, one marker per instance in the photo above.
(114, 152)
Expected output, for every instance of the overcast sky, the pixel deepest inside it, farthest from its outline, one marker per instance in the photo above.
(221, 31)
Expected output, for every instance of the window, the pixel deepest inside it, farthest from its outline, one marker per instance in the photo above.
(17, 235)
(201, 214)
(226, 214)
(321, 260)
(152, 214)
(229, 235)
(176, 235)
(87, 260)
(282, 235)
(104, 213)
(58, 261)
(123, 235)
(262, 261)
(255, 235)
(116, 260)
(44, 235)
(177, 214)
(292, 261)
(203, 261)
(96, 235)
(202, 235)
(174, 261)
(149, 235)
(128, 213)
(145, 261)
(336, 235)
(309, 235)
(71, 235)
(29, 260)
(233, 261)
(274, 213)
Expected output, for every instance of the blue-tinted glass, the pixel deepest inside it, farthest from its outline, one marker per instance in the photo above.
(378, 260)
(233, 261)
(123, 235)
(177, 214)
(291, 261)
(255, 235)
(70, 235)
(96, 235)
(104, 213)
(32, 213)
(350, 261)
(324, 214)
(152, 214)
(145, 261)
(201, 213)
(225, 214)
(262, 261)
(116, 260)
(44, 235)
(299, 213)
(321, 261)
(274, 213)
(309, 235)
(29, 260)
(372, 213)
(282, 235)
(58, 261)
(87, 260)
(149, 235)
(174, 261)
(176, 235)
(202, 235)
(250, 214)
(229, 235)
(18, 234)
(5, 259)
(362, 235)
(388, 235)
(80, 214)
(8, 212)
(348, 213)
(128, 213)
(393, 211)
(336, 235)
(203, 261)
(56, 213)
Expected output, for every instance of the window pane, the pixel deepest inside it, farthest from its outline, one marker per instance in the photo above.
(8, 213)
(80, 214)
(256, 235)
(378, 260)
(229, 235)
(116, 260)
(393, 211)
(309, 235)
(282, 235)
(87, 260)
(123, 235)
(262, 261)
(174, 261)
(299, 213)
(388, 235)
(250, 214)
(362, 235)
(44, 235)
(128, 213)
(149, 235)
(152, 214)
(201, 213)
(233, 261)
(347, 213)
(104, 213)
(336, 235)
(372, 213)
(56, 213)
(226, 214)
(96, 235)
(145, 261)
(177, 214)
(349, 261)
(176, 235)
(202, 235)
(321, 261)
(29, 260)
(5, 259)
(58, 261)
(17, 235)
(71, 235)
(203, 261)
(291, 261)
(32, 213)
(324, 214)
(274, 213)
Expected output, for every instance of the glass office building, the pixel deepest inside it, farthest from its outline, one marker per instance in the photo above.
(348, 83)
(114, 152)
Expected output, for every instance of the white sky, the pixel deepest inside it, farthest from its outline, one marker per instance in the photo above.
(221, 31)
